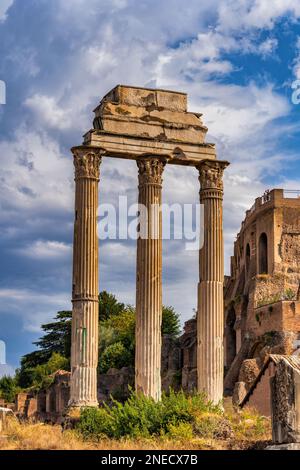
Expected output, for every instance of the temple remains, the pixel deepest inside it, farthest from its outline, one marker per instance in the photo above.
(154, 128)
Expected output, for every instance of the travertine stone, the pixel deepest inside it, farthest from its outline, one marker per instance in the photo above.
(285, 401)
(84, 355)
(210, 323)
(131, 121)
(149, 280)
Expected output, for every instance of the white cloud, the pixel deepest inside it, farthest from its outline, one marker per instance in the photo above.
(33, 307)
(35, 176)
(267, 47)
(164, 44)
(43, 250)
(4, 6)
(48, 112)
(246, 14)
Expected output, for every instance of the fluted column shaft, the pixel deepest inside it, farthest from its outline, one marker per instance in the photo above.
(84, 348)
(210, 317)
(149, 279)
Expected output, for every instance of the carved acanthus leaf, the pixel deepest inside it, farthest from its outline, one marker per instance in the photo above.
(150, 170)
(211, 174)
(87, 162)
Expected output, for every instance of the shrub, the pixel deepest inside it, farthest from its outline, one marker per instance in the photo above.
(96, 422)
(8, 388)
(213, 426)
(114, 356)
(180, 431)
(288, 294)
(140, 416)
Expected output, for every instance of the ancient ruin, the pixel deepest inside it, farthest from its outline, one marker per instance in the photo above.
(262, 308)
(178, 370)
(276, 393)
(154, 128)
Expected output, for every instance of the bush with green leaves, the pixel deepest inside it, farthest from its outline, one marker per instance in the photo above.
(114, 356)
(8, 388)
(39, 377)
(141, 416)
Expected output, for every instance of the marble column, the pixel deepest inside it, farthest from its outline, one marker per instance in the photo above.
(84, 349)
(149, 278)
(210, 316)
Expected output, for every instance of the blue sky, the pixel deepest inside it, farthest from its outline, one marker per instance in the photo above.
(236, 60)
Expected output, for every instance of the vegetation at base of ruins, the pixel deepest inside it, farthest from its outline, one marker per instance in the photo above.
(141, 416)
(220, 431)
(116, 342)
(178, 418)
(39, 377)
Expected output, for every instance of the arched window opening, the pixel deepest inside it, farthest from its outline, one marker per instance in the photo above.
(247, 258)
(230, 337)
(263, 254)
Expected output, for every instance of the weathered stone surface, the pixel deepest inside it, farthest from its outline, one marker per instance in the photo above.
(210, 315)
(131, 121)
(292, 446)
(141, 112)
(285, 393)
(249, 370)
(170, 354)
(239, 393)
(149, 280)
(84, 353)
(116, 383)
(261, 294)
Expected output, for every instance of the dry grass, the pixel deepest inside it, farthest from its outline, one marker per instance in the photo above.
(249, 431)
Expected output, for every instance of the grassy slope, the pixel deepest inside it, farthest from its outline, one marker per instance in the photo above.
(248, 430)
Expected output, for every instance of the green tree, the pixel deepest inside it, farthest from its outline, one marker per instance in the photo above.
(117, 340)
(170, 322)
(115, 355)
(57, 339)
(39, 376)
(8, 388)
(109, 306)
(116, 326)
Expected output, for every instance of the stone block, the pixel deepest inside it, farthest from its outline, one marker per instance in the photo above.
(239, 393)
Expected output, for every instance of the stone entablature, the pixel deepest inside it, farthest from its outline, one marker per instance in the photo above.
(131, 121)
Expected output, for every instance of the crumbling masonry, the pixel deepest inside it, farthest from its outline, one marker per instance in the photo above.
(262, 307)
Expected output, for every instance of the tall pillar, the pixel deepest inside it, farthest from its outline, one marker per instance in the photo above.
(149, 279)
(210, 317)
(84, 349)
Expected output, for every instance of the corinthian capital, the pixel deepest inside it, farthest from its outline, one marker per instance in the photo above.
(87, 162)
(211, 174)
(150, 169)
